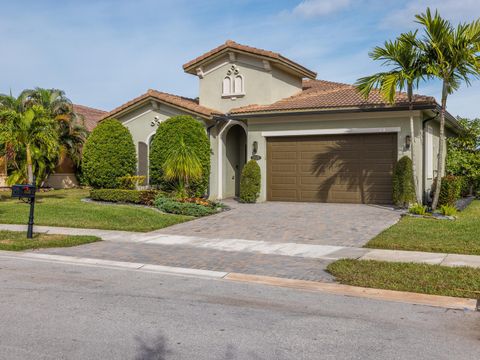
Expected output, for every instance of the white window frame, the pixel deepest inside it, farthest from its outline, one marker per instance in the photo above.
(429, 158)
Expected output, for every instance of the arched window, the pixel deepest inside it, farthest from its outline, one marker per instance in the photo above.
(238, 84)
(227, 85)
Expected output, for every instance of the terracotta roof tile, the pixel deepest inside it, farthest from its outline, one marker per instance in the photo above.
(91, 116)
(230, 44)
(320, 94)
(179, 101)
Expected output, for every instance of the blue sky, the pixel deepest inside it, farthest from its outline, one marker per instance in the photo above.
(106, 52)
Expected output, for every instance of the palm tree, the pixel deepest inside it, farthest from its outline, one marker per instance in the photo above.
(453, 55)
(182, 165)
(34, 131)
(71, 130)
(407, 69)
(10, 102)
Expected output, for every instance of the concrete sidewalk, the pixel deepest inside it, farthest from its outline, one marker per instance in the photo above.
(320, 252)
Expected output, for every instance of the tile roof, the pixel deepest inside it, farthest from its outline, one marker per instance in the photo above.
(91, 116)
(321, 94)
(230, 44)
(188, 104)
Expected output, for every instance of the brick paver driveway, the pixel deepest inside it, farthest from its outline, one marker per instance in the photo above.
(311, 223)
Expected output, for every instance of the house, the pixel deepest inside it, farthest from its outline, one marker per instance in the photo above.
(64, 174)
(314, 140)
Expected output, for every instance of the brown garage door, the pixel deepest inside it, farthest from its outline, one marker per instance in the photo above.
(331, 168)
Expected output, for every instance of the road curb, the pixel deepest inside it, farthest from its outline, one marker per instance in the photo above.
(330, 288)
(355, 291)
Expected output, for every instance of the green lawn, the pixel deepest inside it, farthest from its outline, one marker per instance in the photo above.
(17, 241)
(461, 236)
(419, 278)
(65, 208)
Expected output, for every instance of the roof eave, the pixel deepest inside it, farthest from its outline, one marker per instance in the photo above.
(148, 98)
(314, 111)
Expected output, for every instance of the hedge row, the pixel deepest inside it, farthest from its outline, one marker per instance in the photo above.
(451, 190)
(173, 206)
(143, 197)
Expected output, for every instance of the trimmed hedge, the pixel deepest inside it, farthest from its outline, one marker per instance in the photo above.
(143, 197)
(250, 182)
(109, 154)
(403, 185)
(451, 190)
(173, 206)
(167, 136)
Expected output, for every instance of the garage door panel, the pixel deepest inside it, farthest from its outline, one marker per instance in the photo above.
(333, 168)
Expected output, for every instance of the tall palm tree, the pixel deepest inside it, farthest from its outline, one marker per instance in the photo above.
(407, 69)
(34, 131)
(454, 57)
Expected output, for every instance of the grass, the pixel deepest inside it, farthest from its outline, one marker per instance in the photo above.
(17, 241)
(419, 278)
(65, 208)
(460, 236)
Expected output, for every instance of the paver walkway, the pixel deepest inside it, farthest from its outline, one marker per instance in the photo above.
(301, 223)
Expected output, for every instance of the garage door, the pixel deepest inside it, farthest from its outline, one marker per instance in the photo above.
(331, 168)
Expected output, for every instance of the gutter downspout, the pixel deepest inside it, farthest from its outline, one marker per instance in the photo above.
(424, 162)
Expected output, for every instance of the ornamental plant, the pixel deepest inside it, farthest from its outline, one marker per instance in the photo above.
(168, 136)
(250, 182)
(403, 184)
(109, 154)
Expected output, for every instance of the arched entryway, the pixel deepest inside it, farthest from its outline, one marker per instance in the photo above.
(235, 158)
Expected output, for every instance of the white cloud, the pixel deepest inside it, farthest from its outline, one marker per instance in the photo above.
(313, 8)
(454, 10)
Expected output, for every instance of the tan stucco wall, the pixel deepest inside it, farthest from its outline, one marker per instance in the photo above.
(334, 121)
(261, 86)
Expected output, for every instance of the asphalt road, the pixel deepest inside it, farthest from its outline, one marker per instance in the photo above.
(56, 311)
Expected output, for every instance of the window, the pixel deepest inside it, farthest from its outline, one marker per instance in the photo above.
(233, 83)
(227, 85)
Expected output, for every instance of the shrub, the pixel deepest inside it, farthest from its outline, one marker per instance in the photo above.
(169, 135)
(448, 210)
(173, 206)
(130, 182)
(417, 209)
(403, 185)
(250, 182)
(109, 153)
(144, 197)
(451, 190)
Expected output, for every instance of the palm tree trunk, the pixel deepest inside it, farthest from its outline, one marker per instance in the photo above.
(441, 148)
(29, 165)
(412, 145)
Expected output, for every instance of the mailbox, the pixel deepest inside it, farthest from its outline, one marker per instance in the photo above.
(23, 191)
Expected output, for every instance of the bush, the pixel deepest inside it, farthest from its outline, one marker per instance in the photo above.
(173, 206)
(451, 190)
(250, 182)
(169, 135)
(417, 209)
(143, 197)
(109, 153)
(130, 182)
(448, 210)
(403, 185)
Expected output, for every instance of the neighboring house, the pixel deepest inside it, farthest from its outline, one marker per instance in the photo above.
(314, 140)
(64, 174)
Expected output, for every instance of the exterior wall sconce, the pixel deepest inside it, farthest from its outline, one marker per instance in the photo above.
(408, 142)
(254, 151)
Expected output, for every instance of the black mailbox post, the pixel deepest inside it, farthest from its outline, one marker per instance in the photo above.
(26, 192)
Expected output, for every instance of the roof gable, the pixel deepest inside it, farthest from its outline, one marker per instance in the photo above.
(232, 46)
